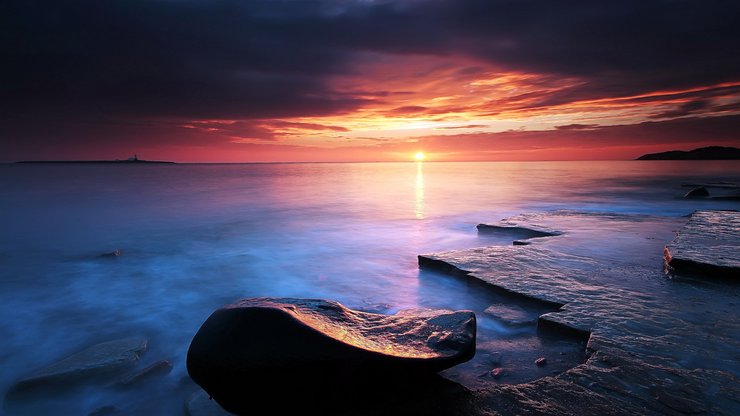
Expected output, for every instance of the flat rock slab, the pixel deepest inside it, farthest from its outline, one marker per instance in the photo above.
(709, 244)
(656, 346)
(245, 352)
(516, 231)
(100, 359)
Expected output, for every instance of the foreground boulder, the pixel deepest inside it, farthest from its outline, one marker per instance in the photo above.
(286, 355)
(98, 360)
(200, 405)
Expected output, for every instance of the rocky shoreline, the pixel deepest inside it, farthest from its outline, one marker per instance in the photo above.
(657, 344)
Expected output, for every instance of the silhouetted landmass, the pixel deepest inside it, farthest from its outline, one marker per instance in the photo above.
(702, 153)
(128, 162)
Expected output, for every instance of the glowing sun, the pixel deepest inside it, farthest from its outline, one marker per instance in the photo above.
(419, 156)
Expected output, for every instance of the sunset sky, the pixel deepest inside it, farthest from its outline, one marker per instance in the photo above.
(363, 80)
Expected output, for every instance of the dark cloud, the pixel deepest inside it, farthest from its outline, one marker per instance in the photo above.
(260, 59)
(620, 47)
(577, 127)
(685, 109)
(684, 134)
(168, 58)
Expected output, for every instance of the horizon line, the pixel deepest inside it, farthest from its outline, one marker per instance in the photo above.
(104, 162)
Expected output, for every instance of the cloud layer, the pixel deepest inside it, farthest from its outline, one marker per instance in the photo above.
(310, 73)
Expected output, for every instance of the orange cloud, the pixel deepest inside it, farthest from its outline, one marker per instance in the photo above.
(408, 98)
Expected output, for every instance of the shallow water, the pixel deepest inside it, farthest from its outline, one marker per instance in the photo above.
(194, 237)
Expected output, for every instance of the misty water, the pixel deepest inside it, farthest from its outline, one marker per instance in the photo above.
(195, 237)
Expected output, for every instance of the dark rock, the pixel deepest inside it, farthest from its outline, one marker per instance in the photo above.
(540, 361)
(709, 244)
(727, 197)
(510, 314)
(521, 243)
(678, 402)
(700, 192)
(159, 368)
(105, 411)
(495, 358)
(516, 231)
(242, 353)
(111, 255)
(200, 404)
(100, 359)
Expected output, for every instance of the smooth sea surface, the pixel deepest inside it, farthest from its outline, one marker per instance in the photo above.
(194, 237)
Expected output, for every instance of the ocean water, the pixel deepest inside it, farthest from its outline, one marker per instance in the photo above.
(194, 237)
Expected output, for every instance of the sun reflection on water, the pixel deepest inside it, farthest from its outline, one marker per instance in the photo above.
(419, 205)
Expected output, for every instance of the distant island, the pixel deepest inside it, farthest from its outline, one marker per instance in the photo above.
(132, 160)
(702, 153)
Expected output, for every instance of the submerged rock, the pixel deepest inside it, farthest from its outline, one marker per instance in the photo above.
(105, 411)
(244, 353)
(112, 254)
(159, 368)
(700, 192)
(709, 244)
(510, 314)
(100, 359)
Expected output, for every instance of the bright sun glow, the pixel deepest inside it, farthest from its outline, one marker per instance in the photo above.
(420, 156)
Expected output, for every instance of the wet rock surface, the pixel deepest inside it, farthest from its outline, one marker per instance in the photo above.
(516, 231)
(98, 360)
(105, 411)
(244, 351)
(156, 369)
(656, 345)
(111, 254)
(200, 404)
(510, 314)
(700, 192)
(709, 244)
(714, 190)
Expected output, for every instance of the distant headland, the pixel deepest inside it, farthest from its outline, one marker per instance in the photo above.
(702, 153)
(132, 160)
